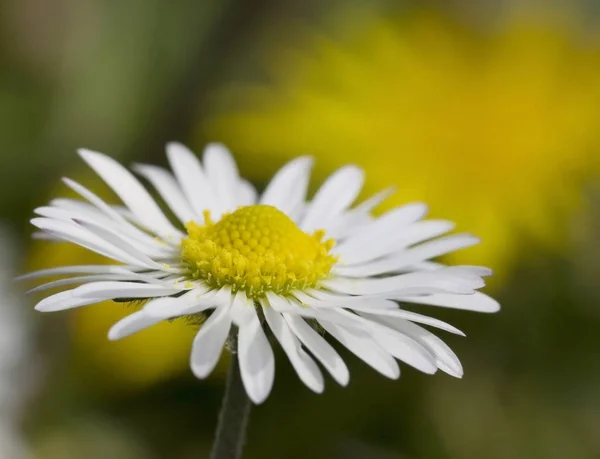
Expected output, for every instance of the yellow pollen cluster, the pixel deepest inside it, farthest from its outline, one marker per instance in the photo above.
(256, 249)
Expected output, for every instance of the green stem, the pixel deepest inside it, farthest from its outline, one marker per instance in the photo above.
(233, 419)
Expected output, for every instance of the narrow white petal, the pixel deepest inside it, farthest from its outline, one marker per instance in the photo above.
(478, 271)
(305, 367)
(433, 249)
(355, 249)
(78, 269)
(194, 301)
(169, 190)
(63, 300)
(209, 342)
(247, 194)
(257, 362)
(131, 324)
(446, 359)
(355, 219)
(364, 347)
(337, 194)
(74, 233)
(222, 174)
(192, 178)
(97, 204)
(397, 344)
(433, 281)
(43, 236)
(242, 310)
(320, 348)
(320, 299)
(368, 205)
(113, 238)
(149, 246)
(111, 290)
(475, 302)
(391, 246)
(287, 189)
(88, 279)
(408, 315)
(131, 192)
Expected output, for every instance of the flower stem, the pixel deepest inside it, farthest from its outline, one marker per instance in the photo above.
(233, 419)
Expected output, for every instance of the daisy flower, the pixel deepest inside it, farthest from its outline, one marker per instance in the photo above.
(265, 268)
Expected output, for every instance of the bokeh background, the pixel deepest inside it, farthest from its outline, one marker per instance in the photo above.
(488, 110)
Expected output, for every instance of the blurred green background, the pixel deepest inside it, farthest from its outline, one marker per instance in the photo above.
(487, 110)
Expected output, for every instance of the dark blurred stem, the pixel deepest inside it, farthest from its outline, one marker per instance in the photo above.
(233, 420)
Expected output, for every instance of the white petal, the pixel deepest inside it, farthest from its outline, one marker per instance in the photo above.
(477, 271)
(432, 249)
(424, 281)
(194, 301)
(257, 362)
(446, 359)
(42, 236)
(337, 194)
(74, 233)
(242, 310)
(356, 249)
(148, 246)
(363, 346)
(111, 290)
(209, 342)
(287, 189)
(194, 183)
(97, 217)
(222, 174)
(77, 269)
(88, 279)
(320, 348)
(408, 315)
(63, 300)
(131, 192)
(307, 369)
(475, 302)
(320, 299)
(131, 324)
(169, 190)
(392, 246)
(113, 238)
(247, 195)
(398, 345)
(99, 207)
(356, 219)
(368, 205)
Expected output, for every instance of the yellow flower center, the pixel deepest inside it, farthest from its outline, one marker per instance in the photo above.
(256, 249)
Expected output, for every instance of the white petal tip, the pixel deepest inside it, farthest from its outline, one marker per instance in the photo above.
(489, 306)
(343, 379)
(201, 371)
(307, 161)
(216, 147)
(115, 333)
(258, 399)
(317, 390)
(87, 154)
(176, 148)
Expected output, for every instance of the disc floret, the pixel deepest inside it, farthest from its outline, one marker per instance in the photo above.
(256, 249)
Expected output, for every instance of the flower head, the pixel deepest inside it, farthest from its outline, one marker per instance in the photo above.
(497, 129)
(275, 264)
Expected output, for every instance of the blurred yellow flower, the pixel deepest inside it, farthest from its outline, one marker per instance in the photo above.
(150, 356)
(498, 129)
